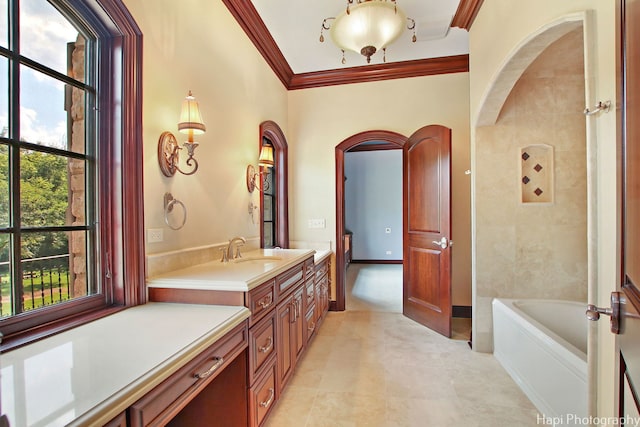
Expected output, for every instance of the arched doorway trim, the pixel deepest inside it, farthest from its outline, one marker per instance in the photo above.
(387, 137)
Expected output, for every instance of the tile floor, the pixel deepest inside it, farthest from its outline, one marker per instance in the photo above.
(370, 366)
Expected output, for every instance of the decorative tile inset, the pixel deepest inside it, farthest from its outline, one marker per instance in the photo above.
(536, 166)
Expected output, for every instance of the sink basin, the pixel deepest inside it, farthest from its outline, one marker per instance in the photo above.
(258, 258)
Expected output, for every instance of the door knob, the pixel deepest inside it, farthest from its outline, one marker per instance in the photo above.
(593, 313)
(443, 242)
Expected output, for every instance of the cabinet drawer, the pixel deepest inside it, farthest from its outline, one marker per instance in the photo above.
(309, 295)
(288, 280)
(163, 402)
(309, 269)
(262, 343)
(261, 300)
(262, 396)
(322, 269)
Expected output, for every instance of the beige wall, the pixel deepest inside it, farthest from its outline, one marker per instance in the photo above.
(501, 27)
(535, 249)
(198, 46)
(321, 118)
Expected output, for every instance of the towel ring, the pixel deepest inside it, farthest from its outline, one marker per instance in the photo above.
(169, 203)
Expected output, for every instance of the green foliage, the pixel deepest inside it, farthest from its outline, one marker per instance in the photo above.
(44, 200)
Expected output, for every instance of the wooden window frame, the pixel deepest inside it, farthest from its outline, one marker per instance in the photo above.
(119, 187)
(271, 131)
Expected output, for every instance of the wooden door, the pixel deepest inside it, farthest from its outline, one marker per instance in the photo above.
(427, 228)
(629, 337)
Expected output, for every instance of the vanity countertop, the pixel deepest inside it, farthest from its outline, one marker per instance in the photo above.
(89, 374)
(242, 274)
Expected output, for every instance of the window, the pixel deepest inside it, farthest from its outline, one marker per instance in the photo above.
(269, 203)
(68, 152)
(274, 210)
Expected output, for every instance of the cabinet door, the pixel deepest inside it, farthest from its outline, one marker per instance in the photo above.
(286, 312)
(298, 340)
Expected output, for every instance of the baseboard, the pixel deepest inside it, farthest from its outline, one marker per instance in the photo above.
(376, 261)
(461, 311)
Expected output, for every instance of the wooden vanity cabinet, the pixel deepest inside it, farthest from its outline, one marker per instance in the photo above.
(283, 318)
(211, 384)
(118, 421)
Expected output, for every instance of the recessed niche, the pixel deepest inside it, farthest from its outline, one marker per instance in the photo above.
(536, 178)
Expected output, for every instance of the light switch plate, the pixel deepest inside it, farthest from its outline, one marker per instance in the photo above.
(317, 223)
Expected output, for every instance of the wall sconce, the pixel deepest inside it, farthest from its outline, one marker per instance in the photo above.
(168, 148)
(264, 161)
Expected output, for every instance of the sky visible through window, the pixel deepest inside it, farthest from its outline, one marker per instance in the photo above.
(44, 35)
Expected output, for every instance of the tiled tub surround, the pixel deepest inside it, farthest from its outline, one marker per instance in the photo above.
(533, 250)
(89, 374)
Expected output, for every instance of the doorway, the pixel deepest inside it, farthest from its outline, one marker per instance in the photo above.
(386, 139)
(426, 230)
(373, 220)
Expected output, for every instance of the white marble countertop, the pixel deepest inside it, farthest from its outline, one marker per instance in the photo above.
(243, 274)
(320, 255)
(89, 374)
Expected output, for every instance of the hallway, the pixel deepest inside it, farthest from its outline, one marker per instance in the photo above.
(371, 367)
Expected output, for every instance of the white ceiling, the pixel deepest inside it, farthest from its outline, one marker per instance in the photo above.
(295, 26)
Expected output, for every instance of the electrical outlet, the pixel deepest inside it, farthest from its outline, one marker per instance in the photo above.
(155, 235)
(317, 223)
(388, 252)
(387, 230)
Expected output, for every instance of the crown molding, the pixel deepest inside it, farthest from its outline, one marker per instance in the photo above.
(376, 72)
(466, 13)
(253, 25)
(250, 21)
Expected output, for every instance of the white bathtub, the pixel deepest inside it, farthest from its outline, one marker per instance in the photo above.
(542, 344)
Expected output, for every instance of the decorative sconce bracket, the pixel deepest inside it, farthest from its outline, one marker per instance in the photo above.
(169, 155)
(252, 180)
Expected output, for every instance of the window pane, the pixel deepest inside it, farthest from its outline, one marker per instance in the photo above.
(4, 186)
(5, 276)
(268, 234)
(4, 97)
(51, 113)
(47, 270)
(46, 36)
(52, 190)
(4, 24)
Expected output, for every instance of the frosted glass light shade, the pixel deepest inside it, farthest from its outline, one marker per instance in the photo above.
(266, 156)
(373, 23)
(190, 117)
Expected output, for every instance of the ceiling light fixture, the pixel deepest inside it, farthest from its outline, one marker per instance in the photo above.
(367, 26)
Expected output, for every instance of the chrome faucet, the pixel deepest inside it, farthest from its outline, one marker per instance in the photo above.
(227, 254)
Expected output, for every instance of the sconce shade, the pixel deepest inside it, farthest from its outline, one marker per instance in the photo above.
(266, 156)
(190, 117)
(368, 27)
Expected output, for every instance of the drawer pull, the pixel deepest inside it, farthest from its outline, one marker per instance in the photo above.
(267, 402)
(266, 302)
(267, 346)
(218, 362)
(311, 328)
